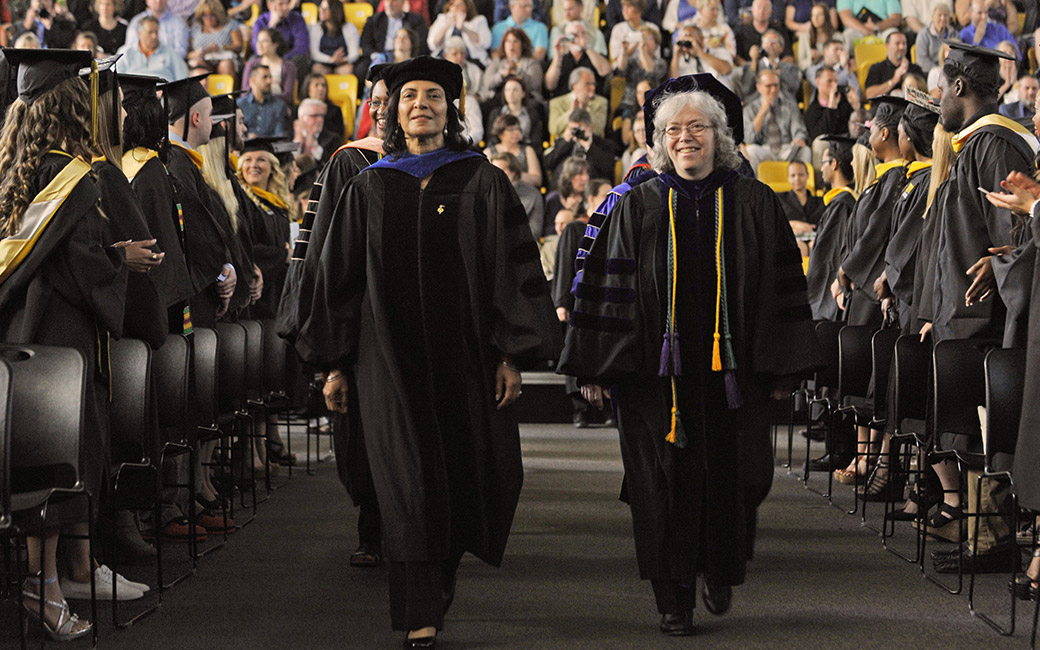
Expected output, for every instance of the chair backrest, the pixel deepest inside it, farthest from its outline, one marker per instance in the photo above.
(47, 415)
(882, 347)
(253, 15)
(231, 355)
(310, 12)
(5, 443)
(913, 371)
(827, 351)
(358, 13)
(774, 174)
(130, 424)
(343, 92)
(617, 92)
(854, 360)
(207, 375)
(275, 353)
(1005, 382)
(254, 356)
(958, 366)
(171, 365)
(220, 84)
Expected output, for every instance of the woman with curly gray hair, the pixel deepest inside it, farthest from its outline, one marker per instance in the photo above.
(703, 250)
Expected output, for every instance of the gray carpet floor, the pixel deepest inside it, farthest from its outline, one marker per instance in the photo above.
(820, 579)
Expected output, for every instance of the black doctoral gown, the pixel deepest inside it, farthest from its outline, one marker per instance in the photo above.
(418, 292)
(145, 317)
(969, 225)
(866, 239)
(825, 256)
(209, 241)
(70, 292)
(692, 507)
(1027, 451)
(154, 191)
(901, 253)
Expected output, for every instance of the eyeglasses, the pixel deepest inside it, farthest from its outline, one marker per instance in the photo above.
(377, 105)
(674, 130)
(824, 161)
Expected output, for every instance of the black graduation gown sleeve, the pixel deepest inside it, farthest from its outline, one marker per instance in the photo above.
(566, 252)
(1014, 276)
(146, 318)
(269, 226)
(824, 259)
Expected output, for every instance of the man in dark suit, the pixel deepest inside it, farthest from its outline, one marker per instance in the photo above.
(380, 30)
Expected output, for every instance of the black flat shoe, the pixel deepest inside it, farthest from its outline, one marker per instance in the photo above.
(717, 599)
(420, 642)
(366, 555)
(677, 624)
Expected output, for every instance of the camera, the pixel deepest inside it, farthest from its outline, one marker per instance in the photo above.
(684, 44)
(43, 13)
(844, 90)
(578, 133)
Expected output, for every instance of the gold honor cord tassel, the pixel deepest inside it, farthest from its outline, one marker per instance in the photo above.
(95, 83)
(716, 352)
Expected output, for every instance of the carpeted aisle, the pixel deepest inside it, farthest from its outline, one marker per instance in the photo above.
(820, 580)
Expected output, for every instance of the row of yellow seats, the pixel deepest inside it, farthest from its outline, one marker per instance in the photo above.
(356, 12)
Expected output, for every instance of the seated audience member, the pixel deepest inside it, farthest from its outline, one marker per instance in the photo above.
(27, 41)
(507, 137)
(691, 56)
(215, 40)
(50, 22)
(1024, 108)
(829, 111)
(717, 34)
(750, 34)
(1000, 11)
(514, 57)
(173, 31)
(773, 125)
(406, 46)
(501, 11)
(678, 12)
(516, 102)
(378, 35)
(985, 32)
(270, 50)
(472, 75)
(636, 148)
(315, 86)
(887, 16)
(309, 132)
(570, 51)
(837, 58)
(460, 18)
(335, 43)
(1008, 72)
(290, 24)
(530, 197)
(264, 114)
(918, 14)
(574, 10)
(932, 37)
(627, 113)
(582, 83)
(803, 210)
(572, 181)
(578, 140)
(107, 25)
(520, 16)
(644, 64)
(857, 122)
(935, 73)
(625, 37)
(768, 57)
(147, 56)
(885, 76)
(87, 42)
(615, 14)
(814, 36)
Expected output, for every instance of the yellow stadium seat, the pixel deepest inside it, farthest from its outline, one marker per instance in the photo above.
(343, 92)
(867, 54)
(913, 53)
(774, 174)
(619, 172)
(600, 23)
(310, 12)
(617, 91)
(357, 13)
(254, 15)
(1032, 59)
(220, 84)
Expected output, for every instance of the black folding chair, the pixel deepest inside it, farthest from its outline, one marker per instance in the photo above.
(207, 377)
(278, 397)
(882, 347)
(823, 400)
(232, 410)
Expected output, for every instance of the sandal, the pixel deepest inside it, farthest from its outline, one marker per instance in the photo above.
(366, 555)
(882, 485)
(914, 498)
(848, 476)
(276, 453)
(64, 629)
(947, 524)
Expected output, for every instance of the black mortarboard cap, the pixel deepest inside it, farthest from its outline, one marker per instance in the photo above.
(224, 106)
(280, 146)
(444, 73)
(375, 73)
(839, 142)
(182, 94)
(137, 87)
(982, 63)
(888, 109)
(42, 70)
(703, 82)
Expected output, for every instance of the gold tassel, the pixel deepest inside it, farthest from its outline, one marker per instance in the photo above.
(671, 434)
(95, 81)
(462, 100)
(716, 354)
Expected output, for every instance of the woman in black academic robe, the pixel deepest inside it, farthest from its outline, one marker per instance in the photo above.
(693, 423)
(268, 210)
(68, 291)
(428, 297)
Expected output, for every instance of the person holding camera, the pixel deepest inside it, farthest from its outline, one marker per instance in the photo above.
(50, 22)
(582, 82)
(580, 141)
(573, 50)
(769, 56)
(690, 56)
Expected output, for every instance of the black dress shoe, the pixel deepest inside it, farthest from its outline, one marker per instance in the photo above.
(828, 463)
(420, 642)
(677, 624)
(948, 553)
(1001, 559)
(717, 598)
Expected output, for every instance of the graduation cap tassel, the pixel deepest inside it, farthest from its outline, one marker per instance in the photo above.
(666, 357)
(95, 80)
(716, 352)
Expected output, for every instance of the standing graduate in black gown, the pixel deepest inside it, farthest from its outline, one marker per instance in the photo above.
(703, 251)
(324, 206)
(839, 202)
(430, 294)
(61, 281)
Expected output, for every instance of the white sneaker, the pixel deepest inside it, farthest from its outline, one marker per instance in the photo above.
(103, 584)
(124, 583)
